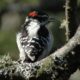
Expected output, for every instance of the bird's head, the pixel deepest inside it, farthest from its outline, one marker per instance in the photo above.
(39, 15)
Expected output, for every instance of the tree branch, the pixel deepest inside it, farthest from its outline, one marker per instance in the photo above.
(51, 66)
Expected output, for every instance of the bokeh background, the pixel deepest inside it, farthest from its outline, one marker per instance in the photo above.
(12, 16)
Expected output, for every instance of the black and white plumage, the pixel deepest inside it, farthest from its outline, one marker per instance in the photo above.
(34, 41)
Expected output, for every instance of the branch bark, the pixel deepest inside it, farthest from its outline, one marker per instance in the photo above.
(71, 17)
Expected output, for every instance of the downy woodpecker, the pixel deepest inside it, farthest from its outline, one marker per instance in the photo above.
(34, 40)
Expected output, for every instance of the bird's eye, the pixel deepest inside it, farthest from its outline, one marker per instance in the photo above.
(33, 14)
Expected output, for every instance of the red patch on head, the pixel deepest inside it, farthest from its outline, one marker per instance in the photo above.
(33, 14)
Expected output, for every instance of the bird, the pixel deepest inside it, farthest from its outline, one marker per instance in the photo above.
(34, 40)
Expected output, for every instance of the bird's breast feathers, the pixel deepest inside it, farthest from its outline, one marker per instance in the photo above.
(33, 28)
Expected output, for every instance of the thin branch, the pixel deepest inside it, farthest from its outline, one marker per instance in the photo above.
(67, 19)
(69, 46)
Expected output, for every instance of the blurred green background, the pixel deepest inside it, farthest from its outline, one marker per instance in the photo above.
(12, 15)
